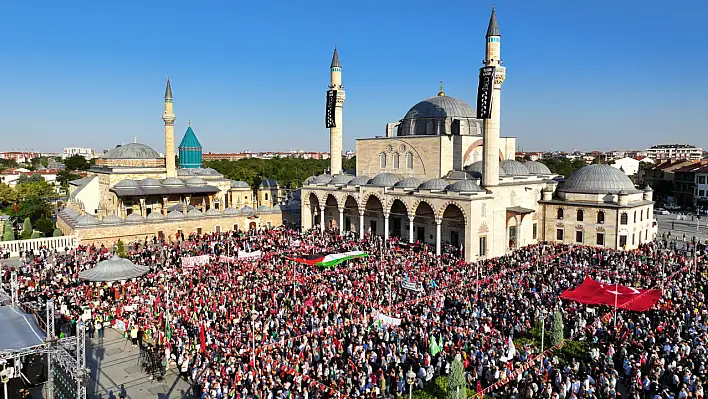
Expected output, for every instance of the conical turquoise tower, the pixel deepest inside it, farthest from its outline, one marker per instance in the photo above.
(190, 150)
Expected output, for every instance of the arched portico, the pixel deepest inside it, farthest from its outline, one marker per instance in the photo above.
(331, 212)
(452, 229)
(373, 215)
(350, 213)
(398, 215)
(315, 214)
(424, 222)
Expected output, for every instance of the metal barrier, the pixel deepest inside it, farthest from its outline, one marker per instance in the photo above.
(51, 243)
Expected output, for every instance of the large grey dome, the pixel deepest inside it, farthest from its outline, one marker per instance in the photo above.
(132, 151)
(458, 175)
(127, 183)
(150, 182)
(174, 215)
(465, 186)
(597, 179)
(409, 182)
(87, 220)
(195, 182)
(359, 180)
(322, 179)
(434, 184)
(173, 182)
(475, 169)
(112, 219)
(537, 168)
(156, 215)
(441, 107)
(230, 211)
(134, 218)
(513, 167)
(385, 180)
(239, 184)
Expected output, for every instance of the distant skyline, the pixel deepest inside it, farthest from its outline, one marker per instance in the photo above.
(580, 75)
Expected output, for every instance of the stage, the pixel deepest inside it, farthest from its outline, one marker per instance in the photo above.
(19, 329)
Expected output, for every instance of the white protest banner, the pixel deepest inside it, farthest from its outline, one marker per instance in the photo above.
(191, 261)
(225, 258)
(387, 319)
(120, 325)
(409, 285)
(249, 255)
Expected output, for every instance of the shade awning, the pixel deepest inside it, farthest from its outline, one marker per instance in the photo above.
(114, 269)
(520, 209)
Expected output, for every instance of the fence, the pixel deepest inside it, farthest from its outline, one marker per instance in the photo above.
(58, 243)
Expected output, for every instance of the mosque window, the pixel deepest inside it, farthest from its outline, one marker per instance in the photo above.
(560, 214)
(484, 210)
(382, 160)
(409, 160)
(601, 217)
(624, 219)
(635, 218)
(396, 160)
(429, 128)
(579, 215)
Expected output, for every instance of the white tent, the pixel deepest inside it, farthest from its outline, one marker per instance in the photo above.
(114, 269)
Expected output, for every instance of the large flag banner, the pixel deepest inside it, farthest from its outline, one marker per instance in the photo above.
(328, 259)
(591, 292)
(191, 261)
(410, 285)
(249, 255)
(380, 317)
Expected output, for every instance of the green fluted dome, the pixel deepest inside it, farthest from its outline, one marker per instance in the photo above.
(190, 151)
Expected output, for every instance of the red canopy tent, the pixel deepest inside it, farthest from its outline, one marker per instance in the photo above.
(591, 292)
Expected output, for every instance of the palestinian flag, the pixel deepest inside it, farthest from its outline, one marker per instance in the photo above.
(328, 259)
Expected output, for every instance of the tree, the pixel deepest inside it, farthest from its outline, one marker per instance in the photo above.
(8, 195)
(34, 208)
(36, 234)
(120, 249)
(35, 188)
(557, 331)
(76, 162)
(65, 176)
(45, 225)
(27, 229)
(456, 380)
(8, 234)
(8, 164)
(34, 178)
(56, 233)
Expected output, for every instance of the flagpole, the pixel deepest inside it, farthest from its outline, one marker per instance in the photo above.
(616, 289)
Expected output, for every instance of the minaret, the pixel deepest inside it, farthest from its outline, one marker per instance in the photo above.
(490, 166)
(169, 118)
(335, 133)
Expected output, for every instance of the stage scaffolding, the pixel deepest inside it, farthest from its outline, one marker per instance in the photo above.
(66, 354)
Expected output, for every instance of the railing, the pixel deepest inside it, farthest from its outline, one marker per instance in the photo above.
(51, 243)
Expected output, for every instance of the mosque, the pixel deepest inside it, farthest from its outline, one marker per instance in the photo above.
(132, 192)
(442, 175)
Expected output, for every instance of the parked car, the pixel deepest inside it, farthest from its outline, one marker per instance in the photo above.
(661, 211)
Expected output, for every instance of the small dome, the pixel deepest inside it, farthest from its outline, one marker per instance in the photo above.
(623, 192)
(246, 209)
(264, 208)
(87, 220)
(195, 213)
(409, 182)
(465, 186)
(537, 168)
(132, 151)
(360, 180)
(458, 175)
(173, 182)
(341, 179)
(322, 179)
(134, 218)
(276, 208)
(309, 180)
(385, 180)
(475, 169)
(149, 182)
(213, 212)
(209, 172)
(434, 185)
(70, 212)
(239, 184)
(127, 183)
(269, 184)
(112, 219)
(186, 172)
(598, 179)
(175, 215)
(512, 167)
(195, 182)
(231, 211)
(154, 216)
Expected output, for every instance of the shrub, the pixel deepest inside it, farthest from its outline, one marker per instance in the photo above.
(120, 249)
(36, 234)
(456, 381)
(56, 233)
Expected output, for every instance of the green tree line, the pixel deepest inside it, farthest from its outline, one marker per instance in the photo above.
(288, 172)
(27, 204)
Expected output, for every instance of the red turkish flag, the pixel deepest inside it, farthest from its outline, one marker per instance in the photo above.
(202, 338)
(591, 292)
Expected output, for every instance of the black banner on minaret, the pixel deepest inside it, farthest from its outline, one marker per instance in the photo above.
(484, 92)
(329, 111)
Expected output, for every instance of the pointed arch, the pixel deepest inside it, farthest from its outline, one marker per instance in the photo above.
(443, 208)
(365, 200)
(416, 204)
(391, 200)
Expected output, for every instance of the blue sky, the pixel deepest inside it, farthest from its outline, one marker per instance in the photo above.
(252, 75)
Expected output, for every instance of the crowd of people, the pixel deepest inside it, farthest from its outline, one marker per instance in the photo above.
(269, 327)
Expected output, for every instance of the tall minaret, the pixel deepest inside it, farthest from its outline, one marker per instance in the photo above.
(169, 118)
(490, 169)
(335, 133)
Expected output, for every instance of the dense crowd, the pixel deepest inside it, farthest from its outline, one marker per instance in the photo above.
(273, 328)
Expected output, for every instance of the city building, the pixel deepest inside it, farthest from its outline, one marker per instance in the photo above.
(132, 192)
(442, 176)
(660, 177)
(671, 152)
(628, 165)
(11, 176)
(20, 156)
(685, 184)
(87, 153)
(701, 189)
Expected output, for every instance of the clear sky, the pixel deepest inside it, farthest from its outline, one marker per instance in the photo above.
(252, 75)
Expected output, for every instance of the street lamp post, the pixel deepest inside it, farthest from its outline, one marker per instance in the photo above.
(543, 334)
(410, 376)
